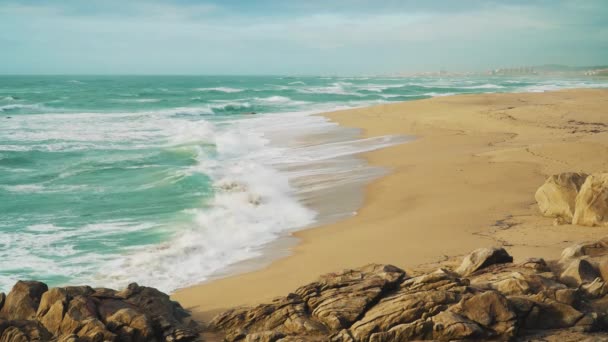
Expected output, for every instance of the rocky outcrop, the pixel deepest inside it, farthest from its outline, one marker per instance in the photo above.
(557, 196)
(481, 258)
(575, 198)
(592, 202)
(488, 297)
(32, 312)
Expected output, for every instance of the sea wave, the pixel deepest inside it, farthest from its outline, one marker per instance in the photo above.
(254, 202)
(484, 86)
(222, 89)
(14, 107)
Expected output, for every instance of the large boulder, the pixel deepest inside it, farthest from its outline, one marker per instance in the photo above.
(483, 257)
(592, 202)
(23, 300)
(557, 196)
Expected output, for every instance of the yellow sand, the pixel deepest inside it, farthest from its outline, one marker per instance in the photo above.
(467, 181)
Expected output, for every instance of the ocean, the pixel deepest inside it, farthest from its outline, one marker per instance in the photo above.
(171, 180)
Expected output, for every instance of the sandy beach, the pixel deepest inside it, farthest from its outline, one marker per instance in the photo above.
(466, 181)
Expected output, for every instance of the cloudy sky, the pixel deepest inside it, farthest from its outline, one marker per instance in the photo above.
(296, 37)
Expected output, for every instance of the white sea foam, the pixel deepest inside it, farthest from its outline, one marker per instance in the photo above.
(337, 88)
(484, 86)
(222, 89)
(9, 107)
(136, 100)
(435, 94)
(254, 203)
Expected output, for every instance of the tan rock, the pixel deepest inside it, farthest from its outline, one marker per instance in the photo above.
(592, 202)
(417, 298)
(23, 300)
(492, 311)
(23, 331)
(130, 325)
(579, 272)
(52, 308)
(597, 288)
(337, 300)
(451, 326)
(483, 257)
(557, 196)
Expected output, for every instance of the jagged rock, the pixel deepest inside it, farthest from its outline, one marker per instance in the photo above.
(492, 311)
(594, 252)
(597, 288)
(23, 331)
(81, 319)
(329, 304)
(557, 196)
(496, 300)
(165, 314)
(23, 300)
(417, 298)
(449, 326)
(592, 202)
(579, 272)
(536, 313)
(483, 257)
(80, 313)
(337, 300)
(265, 336)
(287, 315)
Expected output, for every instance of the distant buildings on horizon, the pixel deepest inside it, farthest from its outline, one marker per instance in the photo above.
(543, 70)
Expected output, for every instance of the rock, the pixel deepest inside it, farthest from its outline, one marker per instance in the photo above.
(537, 313)
(23, 300)
(496, 300)
(80, 313)
(23, 331)
(266, 336)
(592, 251)
(287, 315)
(168, 316)
(330, 304)
(579, 272)
(602, 267)
(592, 202)
(557, 196)
(483, 257)
(597, 288)
(337, 300)
(492, 311)
(130, 325)
(449, 326)
(416, 299)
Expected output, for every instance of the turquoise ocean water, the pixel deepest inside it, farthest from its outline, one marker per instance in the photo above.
(168, 180)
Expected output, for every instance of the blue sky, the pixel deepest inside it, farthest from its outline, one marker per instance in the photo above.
(296, 37)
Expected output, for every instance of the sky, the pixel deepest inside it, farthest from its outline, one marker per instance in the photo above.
(319, 37)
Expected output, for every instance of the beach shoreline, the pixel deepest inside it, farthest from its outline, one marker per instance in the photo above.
(467, 181)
